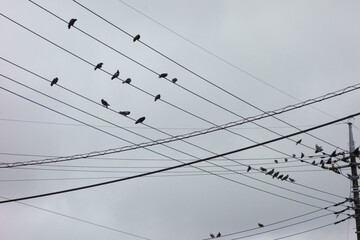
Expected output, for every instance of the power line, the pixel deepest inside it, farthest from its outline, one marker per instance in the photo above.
(195, 74)
(188, 164)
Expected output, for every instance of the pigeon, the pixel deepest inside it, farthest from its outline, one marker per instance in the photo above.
(260, 225)
(98, 66)
(157, 97)
(125, 113)
(270, 172)
(276, 174)
(291, 180)
(318, 148)
(163, 75)
(136, 38)
(285, 178)
(105, 103)
(280, 176)
(298, 142)
(276, 161)
(212, 235)
(218, 235)
(54, 81)
(285, 159)
(140, 120)
(116, 74)
(302, 155)
(174, 80)
(128, 81)
(248, 169)
(71, 22)
(328, 161)
(263, 169)
(333, 154)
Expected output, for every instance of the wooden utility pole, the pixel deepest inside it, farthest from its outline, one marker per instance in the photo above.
(355, 178)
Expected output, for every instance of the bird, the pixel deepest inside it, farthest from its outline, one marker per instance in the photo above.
(136, 38)
(302, 155)
(276, 174)
(125, 113)
(280, 176)
(291, 180)
(116, 74)
(260, 225)
(174, 80)
(218, 235)
(248, 169)
(294, 155)
(318, 148)
(298, 142)
(285, 178)
(313, 163)
(333, 154)
(276, 161)
(270, 172)
(163, 75)
(140, 120)
(128, 81)
(263, 169)
(285, 159)
(54, 81)
(71, 22)
(105, 103)
(157, 97)
(212, 235)
(98, 66)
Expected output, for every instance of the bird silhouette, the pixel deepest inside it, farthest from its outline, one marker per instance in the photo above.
(54, 81)
(116, 74)
(298, 142)
(333, 154)
(136, 38)
(318, 148)
(105, 103)
(218, 235)
(71, 22)
(276, 161)
(302, 155)
(128, 81)
(294, 155)
(163, 75)
(157, 97)
(212, 235)
(285, 178)
(98, 66)
(280, 176)
(275, 174)
(260, 225)
(313, 163)
(270, 172)
(174, 80)
(140, 120)
(263, 169)
(285, 159)
(248, 169)
(291, 180)
(125, 113)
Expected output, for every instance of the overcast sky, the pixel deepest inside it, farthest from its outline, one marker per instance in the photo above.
(265, 55)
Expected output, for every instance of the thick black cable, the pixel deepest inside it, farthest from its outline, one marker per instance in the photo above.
(185, 164)
(197, 75)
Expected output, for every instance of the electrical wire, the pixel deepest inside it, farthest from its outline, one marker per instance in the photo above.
(187, 164)
(195, 74)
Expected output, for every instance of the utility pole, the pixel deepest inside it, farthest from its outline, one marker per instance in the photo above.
(355, 178)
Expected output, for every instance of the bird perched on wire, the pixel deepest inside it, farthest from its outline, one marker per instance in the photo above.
(128, 81)
(270, 172)
(54, 81)
(174, 80)
(218, 235)
(157, 97)
(276, 161)
(140, 120)
(163, 75)
(125, 113)
(263, 169)
(298, 142)
(98, 66)
(136, 38)
(105, 103)
(275, 174)
(260, 225)
(212, 235)
(71, 22)
(248, 169)
(285, 178)
(302, 155)
(116, 74)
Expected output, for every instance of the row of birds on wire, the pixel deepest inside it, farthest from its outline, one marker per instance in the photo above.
(114, 76)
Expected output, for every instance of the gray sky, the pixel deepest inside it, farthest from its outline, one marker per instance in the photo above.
(278, 53)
